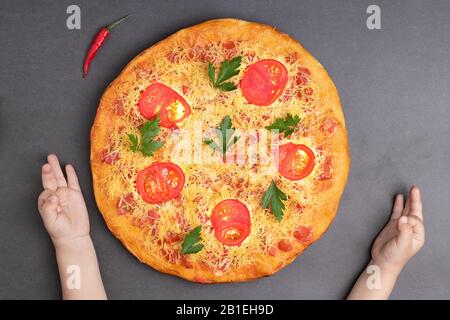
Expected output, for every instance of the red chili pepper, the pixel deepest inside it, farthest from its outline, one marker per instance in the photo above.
(98, 42)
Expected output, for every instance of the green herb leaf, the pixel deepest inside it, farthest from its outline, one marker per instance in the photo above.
(226, 86)
(191, 241)
(274, 198)
(225, 133)
(147, 144)
(134, 142)
(150, 129)
(148, 148)
(228, 69)
(235, 139)
(212, 73)
(286, 124)
(213, 144)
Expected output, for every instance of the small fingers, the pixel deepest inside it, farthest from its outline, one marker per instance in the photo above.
(398, 207)
(407, 206)
(56, 168)
(415, 206)
(48, 204)
(417, 226)
(48, 178)
(72, 179)
(405, 234)
(44, 196)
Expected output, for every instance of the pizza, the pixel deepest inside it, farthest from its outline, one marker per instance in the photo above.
(220, 153)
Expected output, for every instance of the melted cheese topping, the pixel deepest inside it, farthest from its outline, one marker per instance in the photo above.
(185, 70)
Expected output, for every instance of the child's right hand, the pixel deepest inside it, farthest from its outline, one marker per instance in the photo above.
(404, 234)
(61, 204)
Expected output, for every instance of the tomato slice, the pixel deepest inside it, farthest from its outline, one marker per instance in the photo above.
(264, 82)
(296, 161)
(160, 182)
(231, 222)
(160, 99)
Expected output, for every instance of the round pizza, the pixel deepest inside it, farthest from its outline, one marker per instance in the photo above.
(220, 153)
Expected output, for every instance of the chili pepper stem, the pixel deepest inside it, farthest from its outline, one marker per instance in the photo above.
(115, 23)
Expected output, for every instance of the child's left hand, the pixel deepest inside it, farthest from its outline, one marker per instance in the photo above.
(401, 238)
(61, 204)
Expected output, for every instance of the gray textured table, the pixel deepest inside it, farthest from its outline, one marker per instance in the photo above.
(394, 84)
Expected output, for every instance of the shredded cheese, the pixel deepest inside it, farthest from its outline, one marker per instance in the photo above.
(208, 184)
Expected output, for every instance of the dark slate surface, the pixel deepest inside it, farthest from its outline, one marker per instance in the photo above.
(394, 85)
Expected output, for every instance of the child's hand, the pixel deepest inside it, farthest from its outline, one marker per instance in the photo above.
(399, 241)
(404, 234)
(61, 204)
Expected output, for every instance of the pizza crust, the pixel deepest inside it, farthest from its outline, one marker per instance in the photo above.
(215, 30)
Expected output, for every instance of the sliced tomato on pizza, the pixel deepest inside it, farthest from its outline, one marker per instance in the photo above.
(160, 182)
(159, 99)
(264, 82)
(231, 222)
(296, 161)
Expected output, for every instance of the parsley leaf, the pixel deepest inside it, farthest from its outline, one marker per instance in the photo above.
(274, 198)
(226, 86)
(286, 124)
(213, 144)
(150, 129)
(147, 145)
(150, 147)
(134, 142)
(191, 241)
(228, 69)
(225, 134)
